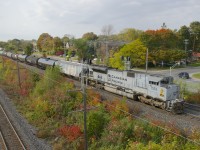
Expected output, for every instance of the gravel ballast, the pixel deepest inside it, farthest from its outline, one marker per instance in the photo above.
(25, 130)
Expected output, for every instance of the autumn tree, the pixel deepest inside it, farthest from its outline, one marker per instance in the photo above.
(135, 50)
(45, 42)
(165, 44)
(159, 39)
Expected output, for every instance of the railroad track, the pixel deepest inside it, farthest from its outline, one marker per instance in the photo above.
(2, 142)
(9, 139)
(192, 109)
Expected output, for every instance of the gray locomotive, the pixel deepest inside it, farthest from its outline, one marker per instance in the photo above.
(156, 90)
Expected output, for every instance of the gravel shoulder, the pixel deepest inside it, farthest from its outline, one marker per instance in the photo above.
(184, 122)
(26, 131)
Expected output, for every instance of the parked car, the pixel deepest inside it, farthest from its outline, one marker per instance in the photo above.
(184, 75)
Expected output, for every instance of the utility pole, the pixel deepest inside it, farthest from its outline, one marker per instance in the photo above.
(107, 53)
(147, 53)
(186, 41)
(18, 72)
(85, 107)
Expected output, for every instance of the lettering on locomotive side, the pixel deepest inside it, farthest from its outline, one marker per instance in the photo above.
(116, 79)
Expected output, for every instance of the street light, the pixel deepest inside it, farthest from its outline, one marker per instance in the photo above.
(172, 67)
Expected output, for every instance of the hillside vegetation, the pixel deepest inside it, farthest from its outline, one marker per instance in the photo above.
(51, 104)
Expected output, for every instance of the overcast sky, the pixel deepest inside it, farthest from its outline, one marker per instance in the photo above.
(27, 19)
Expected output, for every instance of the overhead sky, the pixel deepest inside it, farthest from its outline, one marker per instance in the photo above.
(27, 19)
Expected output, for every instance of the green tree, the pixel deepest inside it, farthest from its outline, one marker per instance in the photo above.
(135, 50)
(3, 44)
(57, 44)
(195, 32)
(169, 55)
(96, 123)
(129, 34)
(45, 84)
(13, 45)
(28, 49)
(89, 36)
(183, 33)
(81, 48)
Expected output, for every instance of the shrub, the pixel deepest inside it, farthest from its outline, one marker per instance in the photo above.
(70, 132)
(117, 133)
(117, 108)
(194, 97)
(96, 122)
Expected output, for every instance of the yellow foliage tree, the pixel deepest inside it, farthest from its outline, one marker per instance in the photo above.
(135, 50)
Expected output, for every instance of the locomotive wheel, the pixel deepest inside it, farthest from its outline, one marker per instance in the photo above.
(135, 97)
(152, 103)
(163, 106)
(141, 99)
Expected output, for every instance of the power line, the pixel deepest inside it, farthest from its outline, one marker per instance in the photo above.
(85, 107)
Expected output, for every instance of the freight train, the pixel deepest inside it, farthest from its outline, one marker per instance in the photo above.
(156, 90)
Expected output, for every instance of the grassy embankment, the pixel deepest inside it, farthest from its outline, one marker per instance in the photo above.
(196, 75)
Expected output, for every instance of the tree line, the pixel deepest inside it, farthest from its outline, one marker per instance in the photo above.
(164, 45)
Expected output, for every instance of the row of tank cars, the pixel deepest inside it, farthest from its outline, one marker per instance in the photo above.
(156, 90)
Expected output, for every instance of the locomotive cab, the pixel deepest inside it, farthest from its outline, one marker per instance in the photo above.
(165, 93)
(162, 87)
